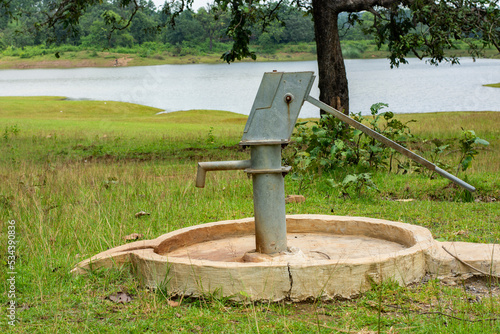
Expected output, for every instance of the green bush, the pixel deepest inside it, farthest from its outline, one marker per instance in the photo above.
(329, 147)
(351, 53)
(125, 50)
(354, 49)
(11, 51)
(68, 48)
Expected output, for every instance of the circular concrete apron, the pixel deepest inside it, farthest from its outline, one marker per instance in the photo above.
(329, 256)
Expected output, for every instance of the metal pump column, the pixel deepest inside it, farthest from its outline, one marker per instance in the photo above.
(269, 127)
(268, 198)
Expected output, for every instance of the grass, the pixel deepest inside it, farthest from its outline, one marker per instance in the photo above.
(73, 180)
(41, 58)
(495, 85)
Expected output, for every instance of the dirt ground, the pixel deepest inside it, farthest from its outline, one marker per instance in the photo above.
(66, 63)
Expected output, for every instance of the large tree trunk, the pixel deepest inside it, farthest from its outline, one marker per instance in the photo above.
(332, 76)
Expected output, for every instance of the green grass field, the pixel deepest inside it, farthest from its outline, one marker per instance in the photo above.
(74, 173)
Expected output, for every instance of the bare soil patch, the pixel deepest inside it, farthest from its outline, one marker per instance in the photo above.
(65, 63)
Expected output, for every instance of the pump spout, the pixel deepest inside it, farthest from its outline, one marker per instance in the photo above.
(204, 167)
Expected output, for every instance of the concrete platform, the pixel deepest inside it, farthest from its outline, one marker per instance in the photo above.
(328, 257)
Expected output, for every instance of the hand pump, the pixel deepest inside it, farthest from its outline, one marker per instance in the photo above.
(269, 127)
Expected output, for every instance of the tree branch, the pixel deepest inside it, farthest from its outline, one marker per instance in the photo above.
(359, 5)
(116, 28)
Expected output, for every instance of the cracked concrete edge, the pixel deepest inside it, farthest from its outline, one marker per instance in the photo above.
(316, 279)
(485, 257)
(117, 256)
(293, 282)
(349, 280)
(182, 278)
(290, 279)
(106, 258)
(274, 283)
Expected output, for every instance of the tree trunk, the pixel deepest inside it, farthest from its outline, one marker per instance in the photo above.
(332, 75)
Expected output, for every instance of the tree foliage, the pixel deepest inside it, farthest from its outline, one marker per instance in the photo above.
(103, 24)
(427, 28)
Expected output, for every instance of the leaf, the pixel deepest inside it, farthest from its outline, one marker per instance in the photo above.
(481, 141)
(324, 141)
(350, 178)
(120, 297)
(375, 149)
(388, 115)
(339, 144)
(331, 183)
(173, 303)
(466, 163)
(141, 213)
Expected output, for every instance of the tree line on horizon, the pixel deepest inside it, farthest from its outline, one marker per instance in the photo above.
(204, 28)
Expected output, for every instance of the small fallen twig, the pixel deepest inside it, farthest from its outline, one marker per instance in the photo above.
(470, 266)
(330, 327)
(324, 254)
(443, 314)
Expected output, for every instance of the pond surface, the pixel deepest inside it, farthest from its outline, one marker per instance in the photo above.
(417, 87)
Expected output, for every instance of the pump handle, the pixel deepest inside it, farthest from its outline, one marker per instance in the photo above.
(415, 157)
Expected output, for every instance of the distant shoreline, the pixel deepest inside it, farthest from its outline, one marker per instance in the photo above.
(16, 63)
(107, 59)
(78, 58)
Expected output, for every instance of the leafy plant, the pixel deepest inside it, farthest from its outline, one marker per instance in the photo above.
(210, 136)
(353, 181)
(320, 145)
(328, 145)
(392, 128)
(9, 131)
(468, 148)
(437, 151)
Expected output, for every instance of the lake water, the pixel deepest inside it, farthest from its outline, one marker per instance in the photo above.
(417, 87)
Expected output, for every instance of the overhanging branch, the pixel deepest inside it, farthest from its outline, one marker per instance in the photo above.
(360, 5)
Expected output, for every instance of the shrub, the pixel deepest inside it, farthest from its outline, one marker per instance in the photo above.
(328, 145)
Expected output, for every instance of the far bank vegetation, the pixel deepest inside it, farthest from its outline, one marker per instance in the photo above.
(198, 37)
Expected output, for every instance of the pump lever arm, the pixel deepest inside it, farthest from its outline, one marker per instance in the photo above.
(346, 119)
